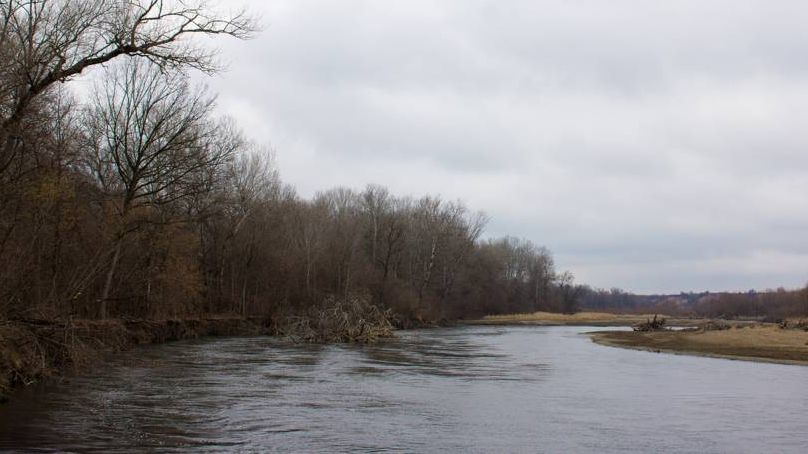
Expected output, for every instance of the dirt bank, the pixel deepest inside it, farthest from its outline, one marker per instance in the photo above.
(751, 343)
(34, 349)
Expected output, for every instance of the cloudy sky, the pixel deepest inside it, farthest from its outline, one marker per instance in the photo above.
(653, 146)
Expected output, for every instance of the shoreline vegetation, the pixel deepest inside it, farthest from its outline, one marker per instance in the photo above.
(36, 349)
(784, 343)
(758, 342)
(32, 350)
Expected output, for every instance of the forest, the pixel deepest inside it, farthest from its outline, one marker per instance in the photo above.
(137, 200)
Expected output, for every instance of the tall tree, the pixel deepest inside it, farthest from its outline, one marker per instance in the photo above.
(150, 142)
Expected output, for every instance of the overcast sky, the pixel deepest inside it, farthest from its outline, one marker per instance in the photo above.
(653, 146)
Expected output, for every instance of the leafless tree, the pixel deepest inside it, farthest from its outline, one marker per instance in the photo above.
(568, 293)
(308, 233)
(150, 142)
(385, 220)
(344, 235)
(44, 42)
(541, 276)
(462, 232)
(253, 182)
(375, 202)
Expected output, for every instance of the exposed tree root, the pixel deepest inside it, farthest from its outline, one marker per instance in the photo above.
(33, 349)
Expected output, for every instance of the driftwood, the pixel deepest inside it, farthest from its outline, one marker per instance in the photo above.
(794, 324)
(353, 319)
(657, 324)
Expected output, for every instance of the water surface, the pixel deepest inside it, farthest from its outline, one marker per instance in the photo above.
(468, 389)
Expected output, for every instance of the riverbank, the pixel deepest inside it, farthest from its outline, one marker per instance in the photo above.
(31, 350)
(765, 343)
(578, 319)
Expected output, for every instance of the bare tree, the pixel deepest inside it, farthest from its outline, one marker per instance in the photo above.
(462, 232)
(150, 143)
(425, 243)
(568, 293)
(385, 224)
(308, 236)
(253, 182)
(43, 42)
(375, 202)
(542, 275)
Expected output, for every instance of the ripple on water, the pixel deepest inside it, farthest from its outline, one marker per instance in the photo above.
(475, 389)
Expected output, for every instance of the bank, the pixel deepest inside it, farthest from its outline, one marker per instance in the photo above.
(31, 350)
(763, 343)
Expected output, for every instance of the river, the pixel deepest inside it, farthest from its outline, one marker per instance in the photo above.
(465, 389)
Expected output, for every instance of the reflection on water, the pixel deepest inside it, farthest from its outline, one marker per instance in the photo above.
(472, 389)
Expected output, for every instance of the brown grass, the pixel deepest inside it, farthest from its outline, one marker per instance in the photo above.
(580, 318)
(759, 343)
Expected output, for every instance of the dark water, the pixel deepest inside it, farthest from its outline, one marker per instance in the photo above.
(472, 389)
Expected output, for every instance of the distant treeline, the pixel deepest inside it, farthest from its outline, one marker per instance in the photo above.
(768, 305)
(140, 202)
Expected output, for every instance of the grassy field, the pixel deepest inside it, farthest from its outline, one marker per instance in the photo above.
(580, 318)
(758, 343)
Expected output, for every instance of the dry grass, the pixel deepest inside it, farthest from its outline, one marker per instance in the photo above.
(580, 318)
(761, 343)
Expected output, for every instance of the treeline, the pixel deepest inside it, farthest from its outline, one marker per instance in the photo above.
(612, 300)
(140, 202)
(770, 305)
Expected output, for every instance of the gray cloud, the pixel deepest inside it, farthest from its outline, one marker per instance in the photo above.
(654, 146)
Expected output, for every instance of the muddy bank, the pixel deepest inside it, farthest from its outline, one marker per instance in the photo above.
(34, 349)
(750, 343)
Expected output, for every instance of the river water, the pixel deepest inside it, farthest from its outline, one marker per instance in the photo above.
(467, 389)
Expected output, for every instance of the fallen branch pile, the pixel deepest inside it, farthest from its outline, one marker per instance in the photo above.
(794, 324)
(657, 324)
(352, 319)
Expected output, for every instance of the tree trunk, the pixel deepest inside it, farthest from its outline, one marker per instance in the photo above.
(102, 310)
